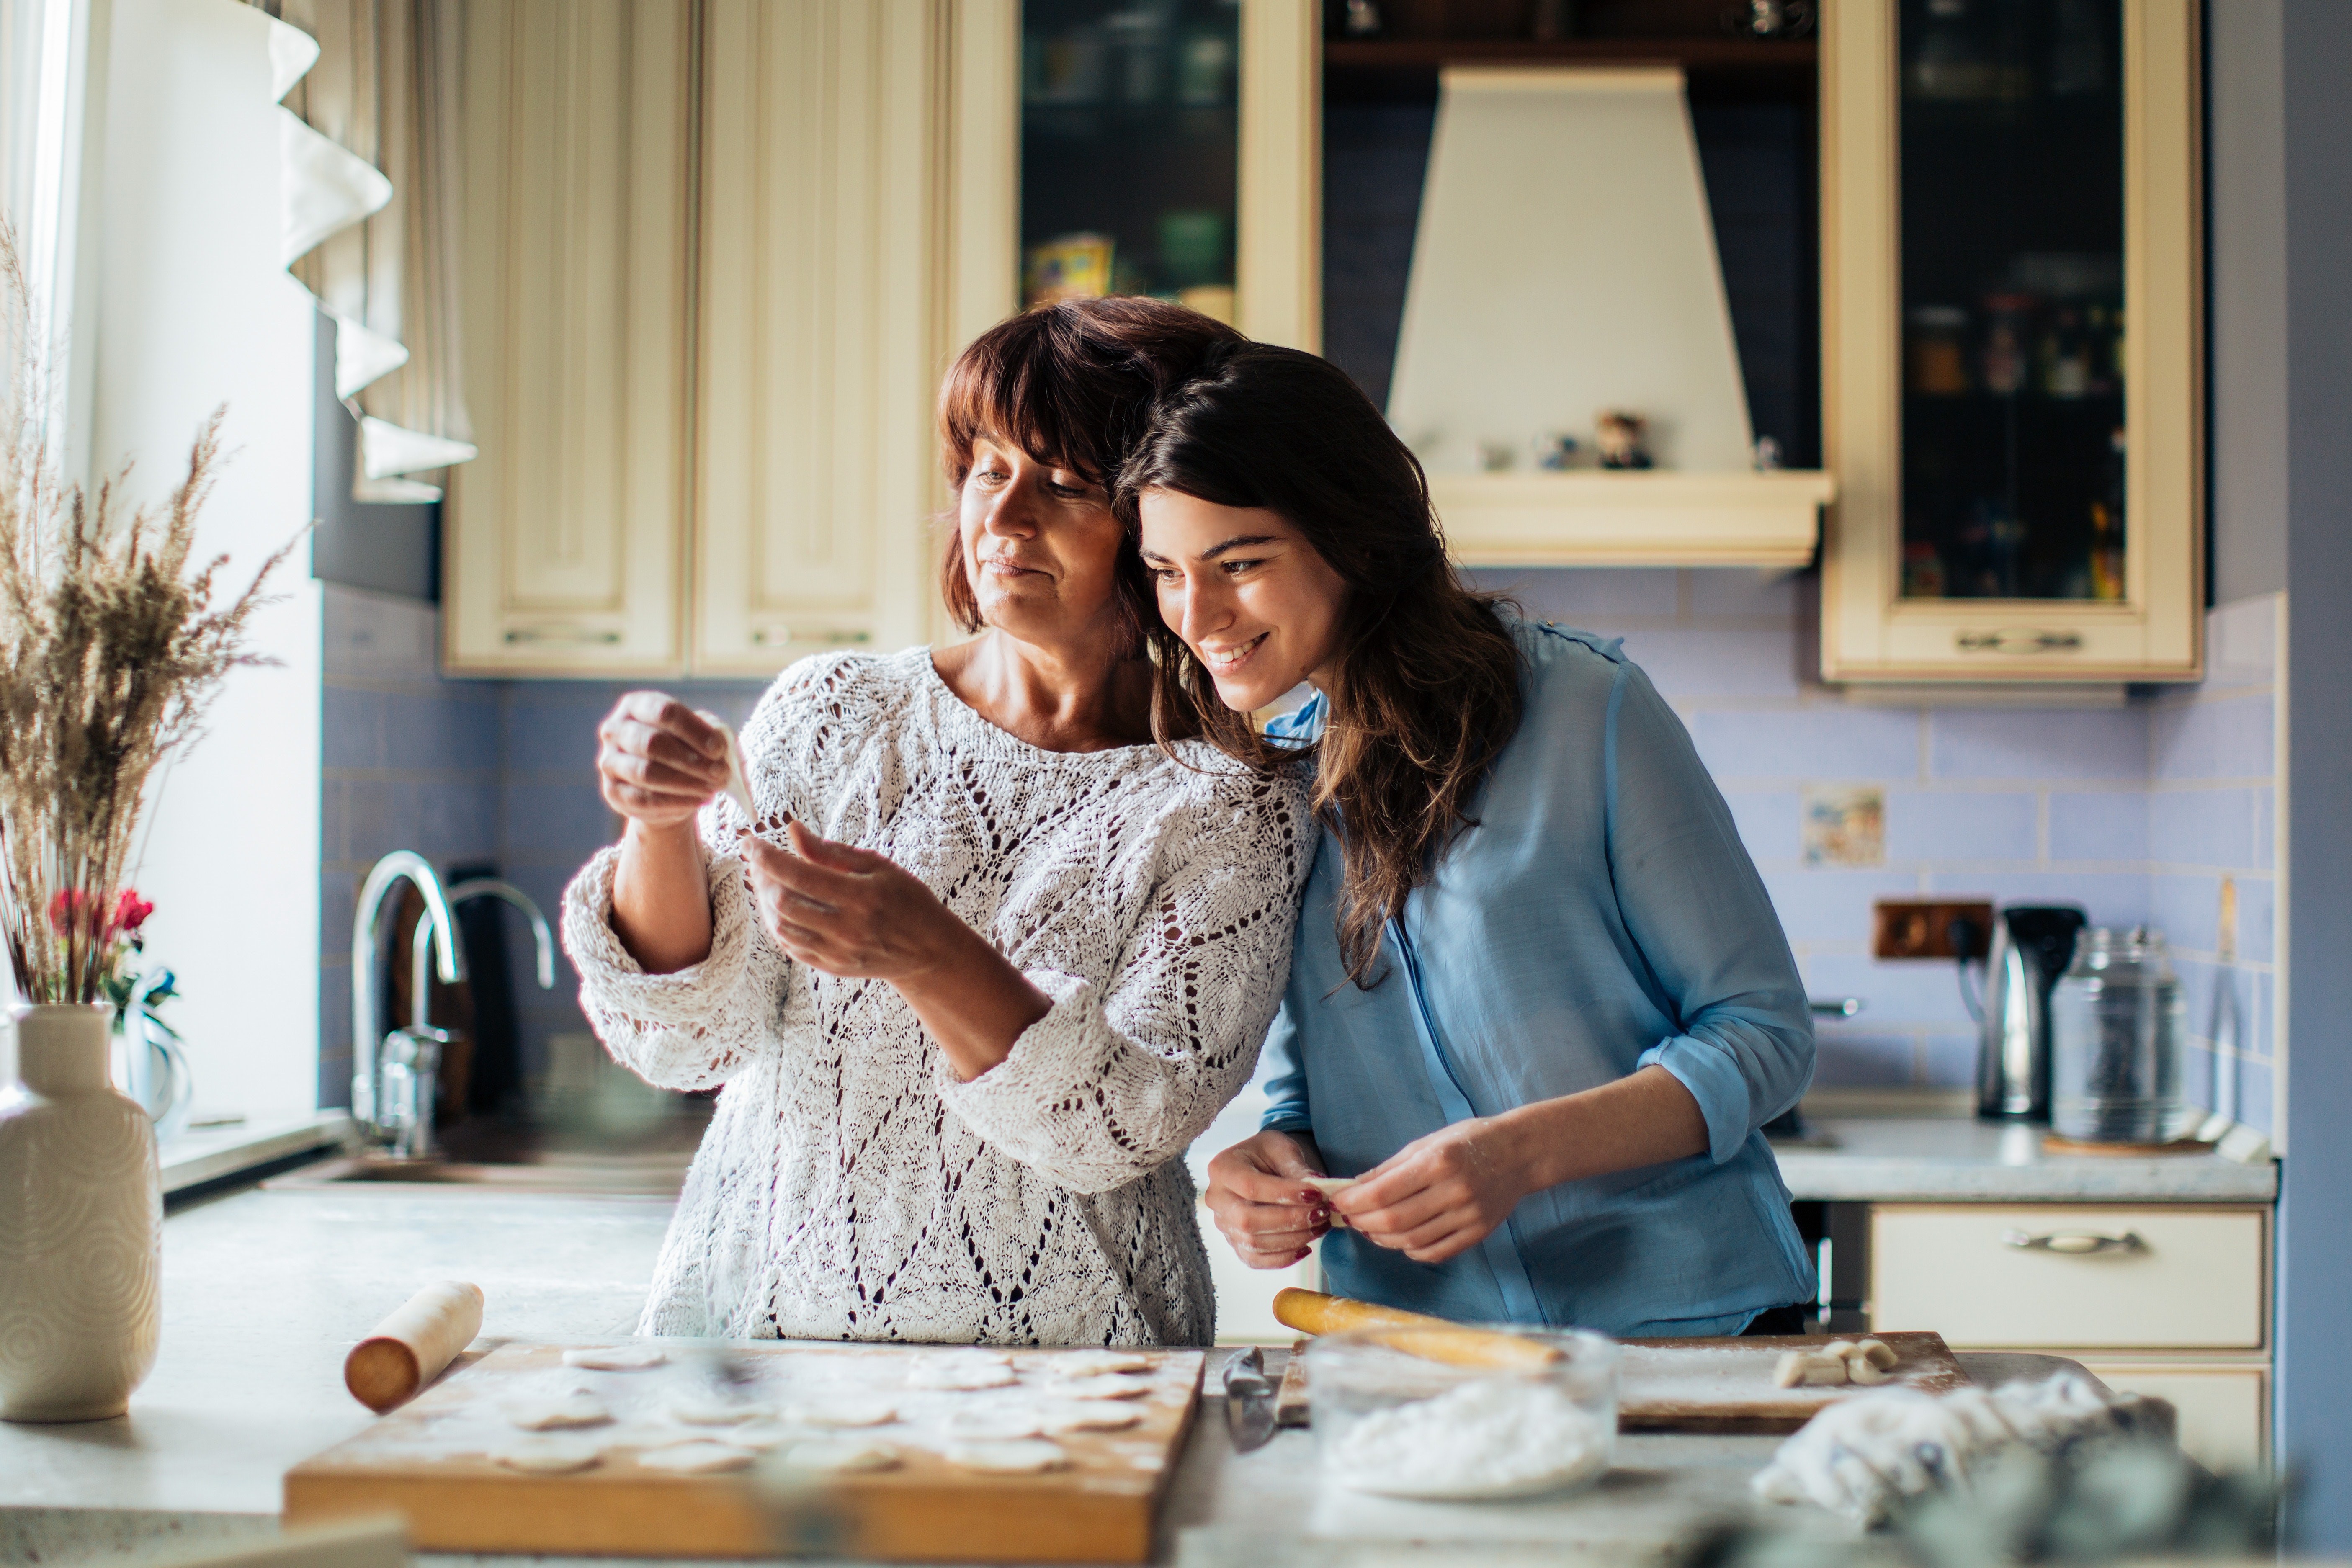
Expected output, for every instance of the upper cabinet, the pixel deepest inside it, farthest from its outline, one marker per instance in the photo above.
(564, 539)
(2011, 226)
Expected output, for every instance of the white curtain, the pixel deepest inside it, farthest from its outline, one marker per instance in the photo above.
(369, 88)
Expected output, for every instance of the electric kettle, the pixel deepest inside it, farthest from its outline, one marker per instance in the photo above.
(2031, 944)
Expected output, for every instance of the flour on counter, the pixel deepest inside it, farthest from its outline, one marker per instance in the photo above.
(1497, 1437)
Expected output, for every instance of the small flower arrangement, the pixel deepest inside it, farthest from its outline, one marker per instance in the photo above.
(111, 648)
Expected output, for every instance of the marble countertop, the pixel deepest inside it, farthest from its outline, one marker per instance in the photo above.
(1934, 1159)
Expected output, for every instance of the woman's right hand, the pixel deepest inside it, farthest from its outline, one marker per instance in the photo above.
(657, 761)
(1269, 1215)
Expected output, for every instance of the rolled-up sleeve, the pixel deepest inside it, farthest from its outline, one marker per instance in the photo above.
(1692, 902)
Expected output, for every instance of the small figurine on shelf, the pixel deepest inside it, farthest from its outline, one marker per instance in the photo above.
(1770, 19)
(1361, 19)
(1555, 451)
(1768, 454)
(1622, 439)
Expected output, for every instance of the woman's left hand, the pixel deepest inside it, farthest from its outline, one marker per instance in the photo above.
(847, 910)
(1442, 1195)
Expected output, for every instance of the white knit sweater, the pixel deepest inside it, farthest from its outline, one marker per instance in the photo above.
(850, 1187)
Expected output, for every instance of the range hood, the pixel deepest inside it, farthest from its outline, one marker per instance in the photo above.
(1565, 265)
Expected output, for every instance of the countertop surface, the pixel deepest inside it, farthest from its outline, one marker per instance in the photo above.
(1937, 1159)
(265, 1290)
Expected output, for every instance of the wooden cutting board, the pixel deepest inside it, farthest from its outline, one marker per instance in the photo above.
(1726, 1384)
(431, 1462)
(1712, 1386)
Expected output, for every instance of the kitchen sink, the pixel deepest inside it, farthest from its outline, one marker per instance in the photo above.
(646, 1160)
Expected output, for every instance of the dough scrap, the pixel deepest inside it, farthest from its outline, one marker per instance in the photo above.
(614, 1358)
(1109, 1386)
(708, 1410)
(844, 1410)
(704, 1457)
(1809, 1369)
(556, 1414)
(1330, 1187)
(549, 1456)
(1022, 1457)
(839, 1456)
(997, 1423)
(1087, 1416)
(1879, 1353)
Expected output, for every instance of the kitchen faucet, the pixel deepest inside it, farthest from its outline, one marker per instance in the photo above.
(367, 1041)
(413, 1056)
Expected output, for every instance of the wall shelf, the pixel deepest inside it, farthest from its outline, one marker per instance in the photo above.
(1632, 518)
(1382, 67)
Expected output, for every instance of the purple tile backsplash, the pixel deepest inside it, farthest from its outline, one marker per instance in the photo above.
(2135, 812)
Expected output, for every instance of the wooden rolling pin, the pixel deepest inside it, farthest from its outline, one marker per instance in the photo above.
(1432, 1339)
(409, 1348)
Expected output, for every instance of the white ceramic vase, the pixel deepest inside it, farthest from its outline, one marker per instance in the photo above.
(81, 1225)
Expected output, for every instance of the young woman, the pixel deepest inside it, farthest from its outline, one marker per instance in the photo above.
(988, 960)
(1540, 1003)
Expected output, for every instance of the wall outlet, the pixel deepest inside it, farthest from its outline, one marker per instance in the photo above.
(1922, 928)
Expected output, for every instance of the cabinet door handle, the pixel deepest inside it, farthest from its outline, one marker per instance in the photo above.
(2018, 640)
(2073, 1243)
(770, 637)
(603, 636)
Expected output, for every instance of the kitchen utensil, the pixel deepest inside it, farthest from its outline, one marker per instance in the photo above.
(1395, 1422)
(2030, 945)
(431, 1460)
(1249, 1400)
(408, 1350)
(2115, 1041)
(1413, 1334)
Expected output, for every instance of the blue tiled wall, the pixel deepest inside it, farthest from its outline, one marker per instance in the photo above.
(2135, 812)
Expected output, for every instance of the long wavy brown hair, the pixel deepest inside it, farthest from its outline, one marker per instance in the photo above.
(1424, 689)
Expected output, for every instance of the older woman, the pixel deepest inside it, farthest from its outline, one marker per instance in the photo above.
(988, 960)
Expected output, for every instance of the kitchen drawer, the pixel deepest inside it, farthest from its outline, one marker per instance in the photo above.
(2224, 1410)
(2192, 1278)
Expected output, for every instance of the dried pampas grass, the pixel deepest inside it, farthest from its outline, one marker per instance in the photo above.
(111, 650)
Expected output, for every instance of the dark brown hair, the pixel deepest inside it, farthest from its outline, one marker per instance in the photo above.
(1425, 683)
(1070, 384)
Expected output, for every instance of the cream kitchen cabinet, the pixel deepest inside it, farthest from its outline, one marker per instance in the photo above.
(563, 541)
(706, 305)
(2012, 226)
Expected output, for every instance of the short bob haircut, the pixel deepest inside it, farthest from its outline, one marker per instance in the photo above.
(1070, 384)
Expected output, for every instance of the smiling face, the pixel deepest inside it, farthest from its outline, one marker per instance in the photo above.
(1252, 599)
(1040, 546)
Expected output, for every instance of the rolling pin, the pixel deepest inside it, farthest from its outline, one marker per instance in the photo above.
(409, 1348)
(1432, 1339)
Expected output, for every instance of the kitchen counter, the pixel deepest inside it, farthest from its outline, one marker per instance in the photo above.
(265, 1290)
(1960, 1159)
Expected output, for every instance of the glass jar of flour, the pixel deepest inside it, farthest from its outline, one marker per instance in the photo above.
(2115, 1028)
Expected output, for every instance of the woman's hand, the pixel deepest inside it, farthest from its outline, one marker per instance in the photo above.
(1441, 1194)
(657, 761)
(1269, 1215)
(852, 913)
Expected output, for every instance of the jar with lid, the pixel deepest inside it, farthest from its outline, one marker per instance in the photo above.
(2115, 1028)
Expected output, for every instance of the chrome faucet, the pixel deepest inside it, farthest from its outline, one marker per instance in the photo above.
(368, 1042)
(413, 1056)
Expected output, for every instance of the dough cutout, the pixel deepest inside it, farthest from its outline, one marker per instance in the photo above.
(708, 1410)
(559, 1414)
(704, 1457)
(1110, 1385)
(1024, 1457)
(1087, 1416)
(845, 1410)
(839, 1456)
(962, 1374)
(549, 1456)
(1094, 1363)
(997, 1423)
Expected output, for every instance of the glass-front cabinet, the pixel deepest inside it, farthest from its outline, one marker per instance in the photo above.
(2011, 315)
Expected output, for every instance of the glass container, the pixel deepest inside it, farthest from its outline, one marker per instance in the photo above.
(2116, 1023)
(2011, 123)
(1129, 150)
(1402, 1424)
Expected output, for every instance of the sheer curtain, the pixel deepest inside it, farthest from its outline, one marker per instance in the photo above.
(369, 141)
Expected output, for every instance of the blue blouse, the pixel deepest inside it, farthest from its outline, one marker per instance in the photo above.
(1600, 916)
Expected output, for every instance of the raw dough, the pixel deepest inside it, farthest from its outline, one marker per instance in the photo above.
(702, 1458)
(709, 1410)
(553, 1414)
(1023, 1458)
(1330, 1187)
(997, 1423)
(844, 1410)
(1879, 1353)
(614, 1358)
(1496, 1437)
(1087, 1416)
(1809, 1369)
(963, 1371)
(549, 1456)
(758, 1434)
(738, 787)
(839, 1456)
(1094, 1363)
(1108, 1387)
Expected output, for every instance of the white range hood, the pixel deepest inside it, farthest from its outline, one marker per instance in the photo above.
(1565, 264)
